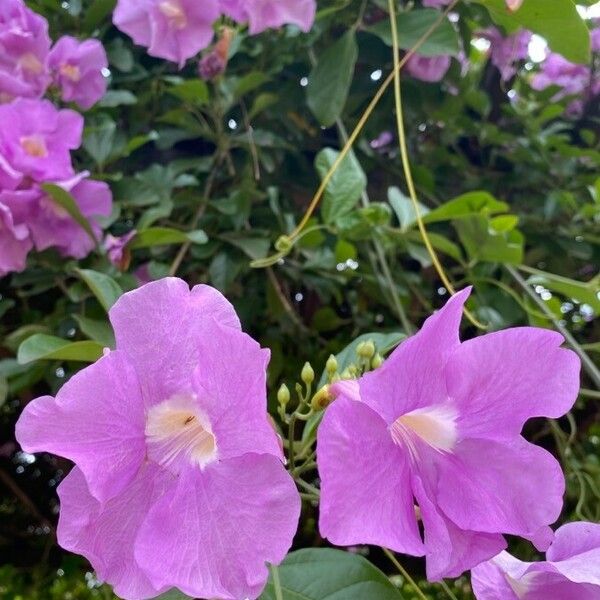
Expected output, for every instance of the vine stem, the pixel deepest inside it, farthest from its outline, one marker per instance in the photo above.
(412, 192)
(588, 364)
(405, 573)
(361, 123)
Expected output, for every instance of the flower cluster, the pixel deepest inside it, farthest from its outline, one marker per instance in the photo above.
(36, 138)
(178, 477)
(178, 29)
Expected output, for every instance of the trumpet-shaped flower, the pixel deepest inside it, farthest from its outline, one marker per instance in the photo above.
(428, 68)
(179, 480)
(171, 29)
(77, 70)
(571, 570)
(35, 142)
(438, 425)
(24, 47)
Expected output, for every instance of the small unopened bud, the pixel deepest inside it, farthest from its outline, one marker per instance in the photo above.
(377, 361)
(331, 366)
(346, 374)
(322, 399)
(366, 349)
(283, 395)
(353, 370)
(308, 374)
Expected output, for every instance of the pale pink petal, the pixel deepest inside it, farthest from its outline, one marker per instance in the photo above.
(501, 379)
(105, 533)
(510, 487)
(413, 375)
(230, 384)
(489, 579)
(96, 420)
(212, 537)
(451, 551)
(159, 325)
(365, 484)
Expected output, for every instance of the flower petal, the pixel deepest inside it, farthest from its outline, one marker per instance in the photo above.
(500, 487)
(365, 491)
(159, 325)
(96, 420)
(412, 376)
(230, 384)
(105, 533)
(450, 550)
(501, 379)
(489, 579)
(212, 537)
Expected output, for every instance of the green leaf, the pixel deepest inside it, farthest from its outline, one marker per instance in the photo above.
(254, 247)
(193, 91)
(472, 203)
(3, 389)
(329, 574)
(158, 236)
(587, 293)
(114, 98)
(173, 594)
(555, 20)
(330, 79)
(413, 25)
(48, 347)
(105, 288)
(404, 208)
(66, 201)
(344, 188)
(96, 13)
(99, 331)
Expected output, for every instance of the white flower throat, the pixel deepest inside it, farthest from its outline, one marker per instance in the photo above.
(178, 433)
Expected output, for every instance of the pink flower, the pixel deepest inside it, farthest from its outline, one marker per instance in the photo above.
(15, 242)
(35, 142)
(179, 480)
(24, 47)
(556, 70)
(171, 29)
(440, 423)
(426, 68)
(571, 570)
(116, 249)
(506, 51)
(264, 14)
(77, 70)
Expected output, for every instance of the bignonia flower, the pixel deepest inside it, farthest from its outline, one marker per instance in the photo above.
(439, 425)
(179, 480)
(15, 242)
(571, 570)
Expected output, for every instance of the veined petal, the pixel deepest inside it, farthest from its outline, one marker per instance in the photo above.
(96, 420)
(365, 484)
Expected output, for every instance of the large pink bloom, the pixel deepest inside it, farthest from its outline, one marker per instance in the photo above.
(35, 142)
(77, 70)
(439, 424)
(179, 480)
(15, 242)
(571, 570)
(171, 29)
(264, 14)
(24, 47)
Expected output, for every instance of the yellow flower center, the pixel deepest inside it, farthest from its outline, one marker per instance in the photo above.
(34, 145)
(174, 12)
(30, 62)
(71, 72)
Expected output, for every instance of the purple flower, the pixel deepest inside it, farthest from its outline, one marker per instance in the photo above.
(35, 142)
(171, 29)
(440, 423)
(264, 14)
(428, 68)
(24, 47)
(179, 480)
(116, 249)
(15, 242)
(555, 70)
(571, 570)
(77, 70)
(506, 51)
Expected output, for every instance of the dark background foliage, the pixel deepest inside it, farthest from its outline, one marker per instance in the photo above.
(233, 162)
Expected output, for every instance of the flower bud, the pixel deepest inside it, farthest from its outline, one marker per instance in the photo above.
(331, 366)
(283, 395)
(377, 361)
(346, 374)
(366, 349)
(322, 399)
(308, 374)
